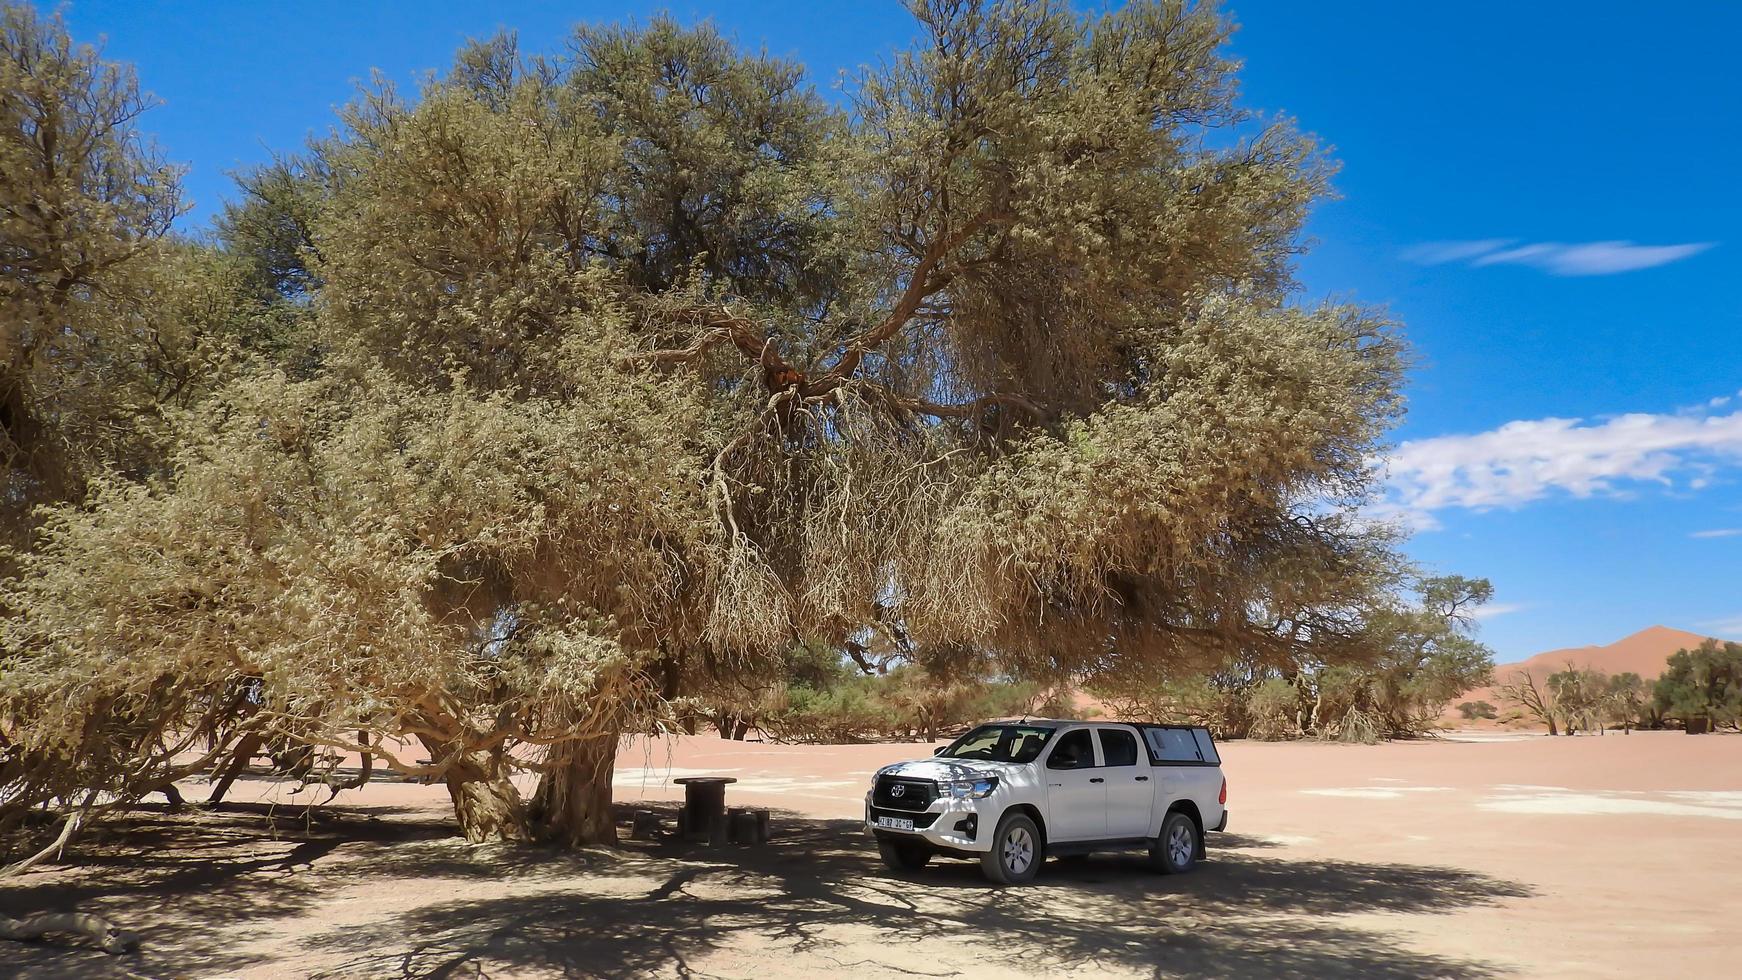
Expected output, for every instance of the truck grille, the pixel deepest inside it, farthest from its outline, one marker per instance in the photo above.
(920, 820)
(914, 794)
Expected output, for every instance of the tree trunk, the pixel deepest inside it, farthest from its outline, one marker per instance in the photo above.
(486, 804)
(239, 759)
(573, 803)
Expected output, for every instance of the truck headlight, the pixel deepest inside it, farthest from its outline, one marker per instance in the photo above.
(973, 789)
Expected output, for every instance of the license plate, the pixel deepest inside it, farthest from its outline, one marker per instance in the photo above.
(894, 823)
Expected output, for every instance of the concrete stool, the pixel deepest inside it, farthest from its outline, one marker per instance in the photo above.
(645, 826)
(748, 826)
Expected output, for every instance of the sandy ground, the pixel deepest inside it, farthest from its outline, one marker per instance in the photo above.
(1480, 855)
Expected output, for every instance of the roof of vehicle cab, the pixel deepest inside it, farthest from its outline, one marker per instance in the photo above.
(1084, 721)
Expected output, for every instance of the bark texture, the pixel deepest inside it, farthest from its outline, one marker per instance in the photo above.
(486, 804)
(573, 803)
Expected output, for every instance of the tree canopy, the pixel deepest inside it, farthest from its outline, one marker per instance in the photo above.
(574, 385)
(1704, 683)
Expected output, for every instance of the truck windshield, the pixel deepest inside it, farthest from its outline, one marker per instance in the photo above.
(1000, 743)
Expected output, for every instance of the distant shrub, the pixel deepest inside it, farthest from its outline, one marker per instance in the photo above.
(1272, 707)
(819, 695)
(1472, 710)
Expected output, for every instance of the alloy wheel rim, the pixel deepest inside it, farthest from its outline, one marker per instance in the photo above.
(1179, 845)
(1018, 850)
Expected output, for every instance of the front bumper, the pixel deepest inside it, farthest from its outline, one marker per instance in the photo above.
(952, 824)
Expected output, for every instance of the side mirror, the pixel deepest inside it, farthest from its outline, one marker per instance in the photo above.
(939, 750)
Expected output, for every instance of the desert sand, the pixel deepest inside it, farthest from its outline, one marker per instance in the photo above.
(1481, 854)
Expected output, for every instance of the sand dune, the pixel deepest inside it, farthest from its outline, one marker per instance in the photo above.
(1644, 653)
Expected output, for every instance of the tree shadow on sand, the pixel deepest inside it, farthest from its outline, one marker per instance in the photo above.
(1240, 915)
(196, 884)
(201, 893)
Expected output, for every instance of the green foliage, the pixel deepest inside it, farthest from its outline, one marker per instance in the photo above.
(1272, 706)
(571, 387)
(1705, 682)
(1625, 701)
(1216, 699)
(355, 555)
(85, 202)
(1475, 710)
(1580, 695)
(1423, 656)
(1576, 699)
(820, 696)
(1426, 656)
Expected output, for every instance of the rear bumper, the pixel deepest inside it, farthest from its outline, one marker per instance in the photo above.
(1224, 824)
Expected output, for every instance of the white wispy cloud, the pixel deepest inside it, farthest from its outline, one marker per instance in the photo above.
(1439, 253)
(1529, 460)
(1725, 627)
(1718, 532)
(1497, 609)
(1558, 258)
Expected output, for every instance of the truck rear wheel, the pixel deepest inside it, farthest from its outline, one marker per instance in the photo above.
(1016, 852)
(1176, 851)
(903, 857)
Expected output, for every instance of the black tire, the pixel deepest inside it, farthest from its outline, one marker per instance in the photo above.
(1017, 850)
(1175, 852)
(902, 856)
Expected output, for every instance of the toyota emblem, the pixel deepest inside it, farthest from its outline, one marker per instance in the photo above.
(897, 790)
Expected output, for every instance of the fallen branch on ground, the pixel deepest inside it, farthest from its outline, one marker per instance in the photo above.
(104, 933)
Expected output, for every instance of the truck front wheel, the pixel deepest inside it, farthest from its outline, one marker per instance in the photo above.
(1176, 851)
(1016, 852)
(903, 857)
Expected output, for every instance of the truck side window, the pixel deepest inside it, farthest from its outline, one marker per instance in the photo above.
(1207, 746)
(1073, 751)
(1173, 745)
(1118, 748)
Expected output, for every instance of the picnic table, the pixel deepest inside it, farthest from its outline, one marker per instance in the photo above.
(704, 805)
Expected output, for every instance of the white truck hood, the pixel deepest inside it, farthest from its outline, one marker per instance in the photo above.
(945, 770)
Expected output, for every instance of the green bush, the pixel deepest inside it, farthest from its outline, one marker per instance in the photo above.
(1703, 683)
(1472, 710)
(1272, 706)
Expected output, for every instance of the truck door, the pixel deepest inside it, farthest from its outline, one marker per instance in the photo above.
(1076, 789)
(1130, 784)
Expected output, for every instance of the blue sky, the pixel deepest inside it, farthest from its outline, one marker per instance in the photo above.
(1545, 194)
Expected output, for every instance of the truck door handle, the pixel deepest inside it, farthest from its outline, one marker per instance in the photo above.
(1143, 779)
(1097, 779)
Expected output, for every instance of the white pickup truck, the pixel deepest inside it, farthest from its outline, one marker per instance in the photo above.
(1011, 793)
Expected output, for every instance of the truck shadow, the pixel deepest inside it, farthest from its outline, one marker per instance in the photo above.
(818, 892)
